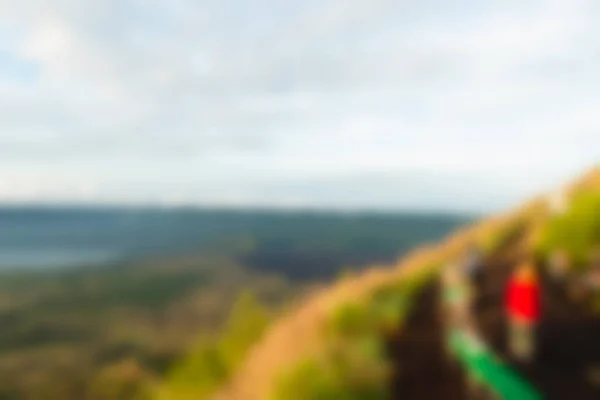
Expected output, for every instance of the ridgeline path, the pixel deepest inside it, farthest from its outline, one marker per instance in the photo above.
(569, 341)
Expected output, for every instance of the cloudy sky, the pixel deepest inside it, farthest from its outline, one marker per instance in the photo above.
(429, 104)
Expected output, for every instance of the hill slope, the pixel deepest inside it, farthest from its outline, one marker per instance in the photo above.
(303, 334)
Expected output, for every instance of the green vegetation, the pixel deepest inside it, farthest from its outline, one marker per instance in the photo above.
(577, 231)
(353, 362)
(113, 333)
(123, 381)
(355, 373)
(213, 361)
(122, 331)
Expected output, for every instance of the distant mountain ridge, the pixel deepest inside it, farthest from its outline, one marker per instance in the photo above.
(57, 236)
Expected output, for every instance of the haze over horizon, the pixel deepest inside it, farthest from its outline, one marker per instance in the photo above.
(325, 104)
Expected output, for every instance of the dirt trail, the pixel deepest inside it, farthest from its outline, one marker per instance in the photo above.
(421, 368)
(569, 340)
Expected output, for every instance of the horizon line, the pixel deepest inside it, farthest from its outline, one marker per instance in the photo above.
(245, 208)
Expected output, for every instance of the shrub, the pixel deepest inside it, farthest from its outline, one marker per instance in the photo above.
(213, 361)
(199, 374)
(122, 381)
(353, 364)
(247, 322)
(576, 231)
(349, 321)
(359, 374)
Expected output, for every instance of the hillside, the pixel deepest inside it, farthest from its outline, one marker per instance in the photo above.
(296, 352)
(184, 284)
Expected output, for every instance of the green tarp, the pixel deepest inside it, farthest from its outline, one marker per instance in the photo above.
(480, 362)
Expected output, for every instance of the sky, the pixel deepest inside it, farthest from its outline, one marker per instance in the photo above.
(378, 104)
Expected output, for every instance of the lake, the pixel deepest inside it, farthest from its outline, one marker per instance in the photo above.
(44, 237)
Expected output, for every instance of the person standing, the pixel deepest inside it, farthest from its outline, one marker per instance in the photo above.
(587, 287)
(558, 269)
(473, 263)
(594, 271)
(523, 309)
(456, 302)
(558, 266)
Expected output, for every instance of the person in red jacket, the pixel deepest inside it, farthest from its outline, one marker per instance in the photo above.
(523, 310)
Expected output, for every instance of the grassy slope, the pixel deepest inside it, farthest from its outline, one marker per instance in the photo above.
(301, 333)
(67, 333)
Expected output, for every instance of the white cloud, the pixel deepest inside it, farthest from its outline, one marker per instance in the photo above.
(276, 102)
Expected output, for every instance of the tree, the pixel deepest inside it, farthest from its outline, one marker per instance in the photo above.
(577, 230)
(212, 362)
(247, 322)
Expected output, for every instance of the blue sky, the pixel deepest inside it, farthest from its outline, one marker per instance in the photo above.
(462, 105)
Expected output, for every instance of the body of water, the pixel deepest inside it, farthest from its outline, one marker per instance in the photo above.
(53, 237)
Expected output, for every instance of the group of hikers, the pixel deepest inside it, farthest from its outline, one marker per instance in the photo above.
(522, 295)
